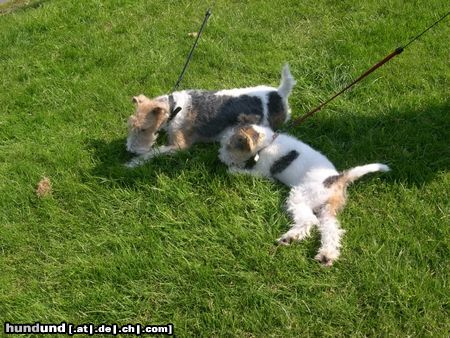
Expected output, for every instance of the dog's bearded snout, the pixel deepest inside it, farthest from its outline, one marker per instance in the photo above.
(137, 143)
(137, 150)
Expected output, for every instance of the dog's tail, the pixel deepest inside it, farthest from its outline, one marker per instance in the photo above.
(348, 176)
(339, 183)
(287, 82)
(351, 175)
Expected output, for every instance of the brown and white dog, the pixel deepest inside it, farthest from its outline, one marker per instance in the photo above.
(318, 189)
(191, 116)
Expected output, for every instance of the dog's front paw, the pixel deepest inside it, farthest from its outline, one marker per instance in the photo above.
(285, 240)
(133, 163)
(295, 234)
(327, 257)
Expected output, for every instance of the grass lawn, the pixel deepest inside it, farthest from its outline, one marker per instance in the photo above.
(179, 240)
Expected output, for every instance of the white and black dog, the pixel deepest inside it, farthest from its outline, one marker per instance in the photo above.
(191, 116)
(318, 189)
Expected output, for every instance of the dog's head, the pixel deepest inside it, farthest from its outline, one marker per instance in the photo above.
(240, 144)
(143, 125)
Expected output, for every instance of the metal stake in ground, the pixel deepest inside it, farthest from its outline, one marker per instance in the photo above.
(398, 51)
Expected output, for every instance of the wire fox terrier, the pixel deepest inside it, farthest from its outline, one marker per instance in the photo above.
(318, 189)
(191, 116)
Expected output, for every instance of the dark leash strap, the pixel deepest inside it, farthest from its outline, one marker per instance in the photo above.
(189, 57)
(174, 110)
(396, 52)
(299, 120)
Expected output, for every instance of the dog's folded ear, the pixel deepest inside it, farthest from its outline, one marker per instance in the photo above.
(138, 99)
(244, 119)
(158, 111)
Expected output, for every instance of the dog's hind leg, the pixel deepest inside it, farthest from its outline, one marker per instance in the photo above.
(303, 216)
(331, 234)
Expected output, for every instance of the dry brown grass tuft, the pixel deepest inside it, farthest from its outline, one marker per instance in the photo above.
(44, 187)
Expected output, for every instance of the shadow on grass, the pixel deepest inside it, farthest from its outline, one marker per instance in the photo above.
(112, 156)
(414, 143)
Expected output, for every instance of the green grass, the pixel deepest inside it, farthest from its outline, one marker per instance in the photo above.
(178, 240)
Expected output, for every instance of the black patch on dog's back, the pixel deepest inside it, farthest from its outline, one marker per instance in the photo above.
(277, 113)
(329, 181)
(283, 162)
(215, 113)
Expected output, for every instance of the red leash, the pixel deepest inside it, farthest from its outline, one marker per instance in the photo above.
(398, 51)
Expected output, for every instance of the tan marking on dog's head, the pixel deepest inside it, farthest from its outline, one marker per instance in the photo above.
(243, 144)
(144, 124)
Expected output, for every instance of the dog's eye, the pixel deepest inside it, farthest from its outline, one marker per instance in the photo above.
(143, 129)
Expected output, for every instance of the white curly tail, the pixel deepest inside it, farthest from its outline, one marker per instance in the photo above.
(287, 82)
(351, 175)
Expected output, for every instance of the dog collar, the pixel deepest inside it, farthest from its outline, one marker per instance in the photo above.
(251, 162)
(174, 110)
